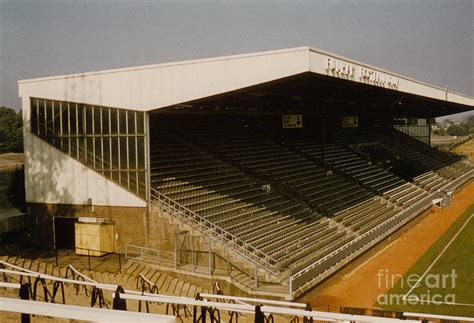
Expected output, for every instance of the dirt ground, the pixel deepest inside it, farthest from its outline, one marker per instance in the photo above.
(360, 287)
(10, 161)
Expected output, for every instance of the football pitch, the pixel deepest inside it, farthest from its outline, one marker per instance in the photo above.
(442, 280)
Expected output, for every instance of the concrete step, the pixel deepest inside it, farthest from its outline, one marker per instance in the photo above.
(147, 272)
(154, 275)
(20, 262)
(161, 282)
(185, 288)
(138, 269)
(11, 259)
(244, 280)
(166, 283)
(125, 274)
(178, 288)
(42, 267)
(56, 271)
(27, 264)
(127, 265)
(99, 277)
(37, 266)
(191, 291)
(170, 285)
(110, 278)
(130, 268)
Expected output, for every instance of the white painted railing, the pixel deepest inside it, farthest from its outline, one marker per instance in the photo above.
(244, 305)
(206, 227)
(150, 256)
(81, 313)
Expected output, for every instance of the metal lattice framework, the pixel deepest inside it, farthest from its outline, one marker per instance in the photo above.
(204, 304)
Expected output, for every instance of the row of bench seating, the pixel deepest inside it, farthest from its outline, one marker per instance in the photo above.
(279, 197)
(350, 163)
(381, 156)
(303, 177)
(237, 202)
(430, 181)
(417, 153)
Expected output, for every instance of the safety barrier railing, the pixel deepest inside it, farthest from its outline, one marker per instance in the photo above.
(171, 259)
(454, 184)
(204, 305)
(216, 233)
(377, 233)
(150, 256)
(261, 310)
(366, 240)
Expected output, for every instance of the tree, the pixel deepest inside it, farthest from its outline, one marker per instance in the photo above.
(440, 132)
(456, 130)
(16, 189)
(470, 121)
(11, 130)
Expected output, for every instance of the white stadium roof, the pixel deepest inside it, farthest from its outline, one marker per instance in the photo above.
(151, 87)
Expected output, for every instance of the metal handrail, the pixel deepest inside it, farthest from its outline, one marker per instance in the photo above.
(150, 254)
(78, 273)
(458, 181)
(143, 254)
(203, 225)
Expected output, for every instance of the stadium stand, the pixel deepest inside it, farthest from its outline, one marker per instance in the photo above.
(288, 200)
(289, 231)
(292, 173)
(416, 152)
(296, 199)
(348, 162)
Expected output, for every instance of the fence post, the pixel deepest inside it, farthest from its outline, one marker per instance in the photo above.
(291, 283)
(309, 319)
(25, 294)
(210, 256)
(175, 251)
(255, 275)
(229, 268)
(119, 303)
(89, 258)
(259, 316)
(120, 263)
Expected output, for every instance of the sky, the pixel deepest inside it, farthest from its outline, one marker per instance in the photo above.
(429, 40)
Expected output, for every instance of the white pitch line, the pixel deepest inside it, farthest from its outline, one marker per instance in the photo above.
(439, 256)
